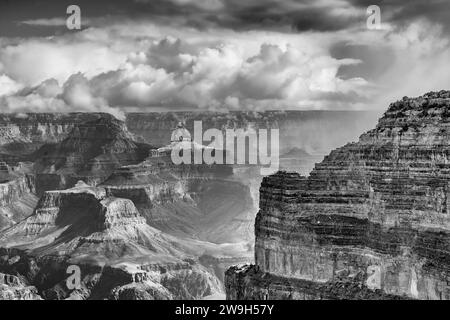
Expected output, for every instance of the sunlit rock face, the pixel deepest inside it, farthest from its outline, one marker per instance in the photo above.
(43, 151)
(65, 148)
(13, 288)
(197, 201)
(372, 215)
(120, 256)
(17, 194)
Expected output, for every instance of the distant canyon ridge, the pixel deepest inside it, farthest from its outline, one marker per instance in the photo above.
(84, 189)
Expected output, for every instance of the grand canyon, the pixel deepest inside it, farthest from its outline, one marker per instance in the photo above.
(368, 220)
(85, 190)
(224, 158)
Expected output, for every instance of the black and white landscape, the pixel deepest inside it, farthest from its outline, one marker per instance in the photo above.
(96, 96)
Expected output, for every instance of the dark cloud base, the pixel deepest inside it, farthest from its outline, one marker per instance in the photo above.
(234, 14)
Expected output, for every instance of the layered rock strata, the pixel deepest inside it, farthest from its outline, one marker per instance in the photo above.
(197, 201)
(22, 134)
(119, 254)
(90, 152)
(372, 215)
(17, 194)
(313, 126)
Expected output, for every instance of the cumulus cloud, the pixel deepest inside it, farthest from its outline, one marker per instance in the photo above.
(35, 60)
(8, 85)
(171, 73)
(422, 54)
(195, 73)
(139, 64)
(49, 96)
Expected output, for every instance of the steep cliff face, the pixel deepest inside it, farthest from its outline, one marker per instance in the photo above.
(197, 201)
(40, 152)
(22, 134)
(91, 152)
(17, 194)
(21, 138)
(374, 216)
(118, 253)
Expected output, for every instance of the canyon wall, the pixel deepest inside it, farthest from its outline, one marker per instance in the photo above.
(90, 152)
(22, 134)
(40, 152)
(17, 193)
(205, 202)
(371, 221)
(17, 200)
(314, 127)
(120, 256)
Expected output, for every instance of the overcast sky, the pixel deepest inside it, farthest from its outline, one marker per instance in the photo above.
(219, 54)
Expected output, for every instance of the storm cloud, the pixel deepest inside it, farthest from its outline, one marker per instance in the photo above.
(219, 54)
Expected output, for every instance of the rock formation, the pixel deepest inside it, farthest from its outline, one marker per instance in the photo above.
(17, 193)
(91, 152)
(137, 227)
(197, 201)
(13, 288)
(119, 254)
(313, 127)
(22, 134)
(43, 152)
(372, 220)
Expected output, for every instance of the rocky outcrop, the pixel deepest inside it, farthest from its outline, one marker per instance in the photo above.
(118, 253)
(247, 282)
(65, 148)
(90, 152)
(13, 288)
(200, 203)
(22, 134)
(372, 215)
(17, 194)
(197, 201)
(116, 281)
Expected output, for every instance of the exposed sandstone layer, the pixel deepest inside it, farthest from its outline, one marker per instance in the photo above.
(119, 254)
(204, 202)
(91, 152)
(198, 204)
(17, 194)
(22, 134)
(373, 214)
(40, 152)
